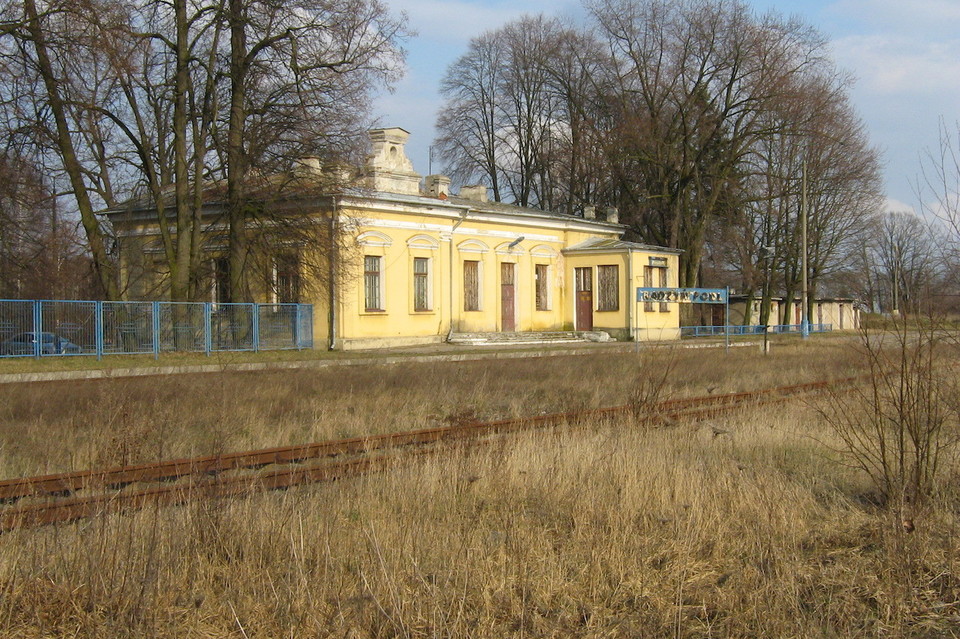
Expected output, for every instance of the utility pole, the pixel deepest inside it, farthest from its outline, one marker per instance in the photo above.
(896, 284)
(804, 310)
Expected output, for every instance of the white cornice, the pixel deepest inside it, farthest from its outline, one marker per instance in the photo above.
(444, 228)
(448, 210)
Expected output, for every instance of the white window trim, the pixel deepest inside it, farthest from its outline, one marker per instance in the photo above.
(374, 238)
(597, 288)
(473, 246)
(381, 290)
(506, 249)
(542, 250)
(431, 308)
(549, 287)
(423, 242)
(463, 292)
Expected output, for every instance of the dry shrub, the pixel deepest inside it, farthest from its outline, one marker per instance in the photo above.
(904, 424)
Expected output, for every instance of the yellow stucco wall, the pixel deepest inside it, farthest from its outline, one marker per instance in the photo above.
(449, 237)
(397, 230)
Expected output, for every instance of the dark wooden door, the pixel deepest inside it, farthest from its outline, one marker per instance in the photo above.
(508, 322)
(584, 293)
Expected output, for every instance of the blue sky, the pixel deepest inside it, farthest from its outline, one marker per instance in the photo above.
(905, 55)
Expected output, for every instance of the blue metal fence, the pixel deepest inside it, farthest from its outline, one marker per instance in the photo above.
(706, 331)
(39, 328)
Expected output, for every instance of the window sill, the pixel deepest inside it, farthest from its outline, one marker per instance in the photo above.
(373, 312)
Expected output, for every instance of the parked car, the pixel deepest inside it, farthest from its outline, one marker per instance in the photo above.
(50, 344)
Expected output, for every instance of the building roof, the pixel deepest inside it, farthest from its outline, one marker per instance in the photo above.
(455, 203)
(604, 245)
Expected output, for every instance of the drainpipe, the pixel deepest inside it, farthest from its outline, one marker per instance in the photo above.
(463, 218)
(631, 297)
(332, 259)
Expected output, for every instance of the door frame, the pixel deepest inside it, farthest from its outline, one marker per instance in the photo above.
(576, 296)
(512, 310)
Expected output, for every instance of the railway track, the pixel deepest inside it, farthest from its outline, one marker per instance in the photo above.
(65, 497)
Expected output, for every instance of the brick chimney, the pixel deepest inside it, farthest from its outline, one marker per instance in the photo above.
(437, 186)
(475, 192)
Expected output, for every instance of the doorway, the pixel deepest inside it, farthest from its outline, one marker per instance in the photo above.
(508, 296)
(584, 298)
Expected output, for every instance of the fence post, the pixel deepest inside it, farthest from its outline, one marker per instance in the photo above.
(256, 327)
(296, 328)
(726, 318)
(98, 329)
(37, 326)
(207, 329)
(155, 311)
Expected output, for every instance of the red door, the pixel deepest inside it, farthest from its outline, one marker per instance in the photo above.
(508, 322)
(584, 293)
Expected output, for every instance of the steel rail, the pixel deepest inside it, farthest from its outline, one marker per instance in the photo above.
(201, 485)
(72, 482)
(77, 508)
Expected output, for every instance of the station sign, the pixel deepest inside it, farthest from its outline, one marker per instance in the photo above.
(683, 295)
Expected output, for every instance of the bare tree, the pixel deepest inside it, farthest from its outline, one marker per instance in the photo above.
(938, 187)
(300, 77)
(35, 45)
(515, 111)
(150, 102)
(469, 122)
(697, 80)
(905, 258)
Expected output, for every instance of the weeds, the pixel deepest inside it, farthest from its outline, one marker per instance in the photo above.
(610, 531)
(900, 427)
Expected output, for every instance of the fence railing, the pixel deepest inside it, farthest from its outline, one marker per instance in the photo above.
(42, 328)
(706, 331)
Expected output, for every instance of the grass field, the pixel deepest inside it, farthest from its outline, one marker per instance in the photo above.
(747, 526)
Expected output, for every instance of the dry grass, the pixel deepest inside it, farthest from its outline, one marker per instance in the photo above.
(55, 427)
(739, 528)
(612, 531)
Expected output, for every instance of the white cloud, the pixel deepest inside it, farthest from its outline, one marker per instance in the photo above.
(929, 18)
(896, 206)
(887, 64)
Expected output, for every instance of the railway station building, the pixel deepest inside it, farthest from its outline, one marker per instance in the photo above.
(396, 259)
(837, 313)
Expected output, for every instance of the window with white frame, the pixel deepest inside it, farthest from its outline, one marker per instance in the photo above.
(421, 285)
(286, 278)
(655, 275)
(373, 283)
(608, 283)
(471, 285)
(542, 286)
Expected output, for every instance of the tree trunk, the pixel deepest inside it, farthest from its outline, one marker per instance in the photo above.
(103, 265)
(180, 269)
(236, 156)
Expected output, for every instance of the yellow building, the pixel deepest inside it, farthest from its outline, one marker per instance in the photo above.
(419, 264)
